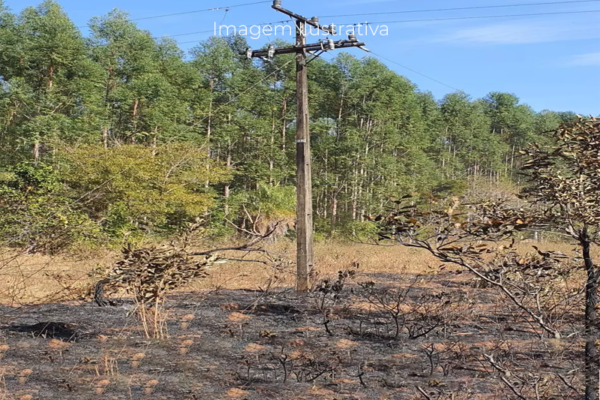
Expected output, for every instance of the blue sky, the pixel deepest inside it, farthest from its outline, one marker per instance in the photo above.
(549, 61)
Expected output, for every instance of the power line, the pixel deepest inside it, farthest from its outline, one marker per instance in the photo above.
(212, 30)
(375, 54)
(378, 22)
(226, 8)
(183, 34)
(414, 20)
(466, 18)
(462, 8)
(200, 11)
(416, 72)
(249, 88)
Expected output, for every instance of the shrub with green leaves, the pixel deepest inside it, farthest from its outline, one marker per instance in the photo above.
(35, 214)
(261, 209)
(133, 188)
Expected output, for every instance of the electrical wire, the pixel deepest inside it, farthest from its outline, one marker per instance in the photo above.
(226, 8)
(408, 21)
(200, 11)
(462, 8)
(250, 88)
(212, 30)
(473, 17)
(183, 34)
(416, 72)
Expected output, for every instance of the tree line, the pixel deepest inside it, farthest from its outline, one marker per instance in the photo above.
(123, 132)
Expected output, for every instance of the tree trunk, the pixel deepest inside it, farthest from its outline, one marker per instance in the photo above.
(208, 130)
(105, 137)
(334, 207)
(36, 151)
(354, 193)
(227, 191)
(51, 77)
(155, 142)
(272, 150)
(339, 120)
(134, 114)
(512, 159)
(592, 365)
(283, 123)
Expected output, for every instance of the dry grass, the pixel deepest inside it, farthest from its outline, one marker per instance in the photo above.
(31, 279)
(35, 278)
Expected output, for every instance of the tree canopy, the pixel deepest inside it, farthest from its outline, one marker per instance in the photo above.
(374, 133)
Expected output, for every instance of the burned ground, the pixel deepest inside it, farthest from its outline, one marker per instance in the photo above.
(389, 336)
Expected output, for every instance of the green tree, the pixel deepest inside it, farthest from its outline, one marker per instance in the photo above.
(35, 213)
(43, 74)
(139, 188)
(470, 148)
(513, 122)
(132, 84)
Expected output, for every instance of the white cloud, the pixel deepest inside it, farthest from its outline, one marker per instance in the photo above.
(521, 33)
(590, 59)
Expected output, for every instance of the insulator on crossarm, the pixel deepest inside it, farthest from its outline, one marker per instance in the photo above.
(249, 53)
(271, 52)
(277, 3)
(332, 29)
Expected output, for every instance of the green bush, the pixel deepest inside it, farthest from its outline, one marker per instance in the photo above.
(34, 213)
(136, 189)
(263, 206)
(357, 230)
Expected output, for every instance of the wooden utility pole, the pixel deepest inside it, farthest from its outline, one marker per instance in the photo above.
(304, 210)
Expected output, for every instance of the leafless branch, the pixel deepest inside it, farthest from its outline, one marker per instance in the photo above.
(567, 384)
(424, 393)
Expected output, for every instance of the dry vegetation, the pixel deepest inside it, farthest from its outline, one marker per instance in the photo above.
(397, 325)
(36, 278)
(28, 279)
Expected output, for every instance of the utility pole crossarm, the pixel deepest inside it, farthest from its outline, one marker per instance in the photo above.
(324, 46)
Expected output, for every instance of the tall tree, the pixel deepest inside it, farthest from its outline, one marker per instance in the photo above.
(43, 75)
(512, 121)
(129, 58)
(470, 148)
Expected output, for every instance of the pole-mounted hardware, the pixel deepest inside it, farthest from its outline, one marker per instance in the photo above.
(314, 21)
(328, 44)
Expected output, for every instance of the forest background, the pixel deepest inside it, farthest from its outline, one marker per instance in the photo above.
(122, 136)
